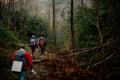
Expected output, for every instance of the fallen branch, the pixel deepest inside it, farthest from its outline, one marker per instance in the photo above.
(36, 61)
(106, 44)
(102, 61)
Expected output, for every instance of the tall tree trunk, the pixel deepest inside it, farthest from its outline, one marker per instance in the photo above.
(21, 18)
(26, 5)
(71, 27)
(81, 7)
(100, 35)
(36, 11)
(8, 14)
(54, 29)
(48, 20)
(13, 9)
(0, 4)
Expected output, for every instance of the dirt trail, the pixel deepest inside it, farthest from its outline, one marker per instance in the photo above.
(38, 66)
(51, 66)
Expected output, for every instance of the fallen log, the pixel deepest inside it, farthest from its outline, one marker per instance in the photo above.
(36, 61)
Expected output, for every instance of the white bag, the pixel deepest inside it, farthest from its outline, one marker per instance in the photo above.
(17, 66)
(33, 71)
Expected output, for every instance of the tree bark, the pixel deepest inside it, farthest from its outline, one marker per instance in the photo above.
(71, 27)
(54, 29)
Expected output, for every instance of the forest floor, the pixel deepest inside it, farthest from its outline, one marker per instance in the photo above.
(55, 65)
(52, 66)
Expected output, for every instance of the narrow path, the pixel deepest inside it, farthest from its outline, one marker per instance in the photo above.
(38, 66)
(51, 66)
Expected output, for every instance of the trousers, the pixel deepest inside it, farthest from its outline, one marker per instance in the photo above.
(22, 75)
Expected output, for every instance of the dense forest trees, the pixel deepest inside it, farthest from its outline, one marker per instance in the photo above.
(19, 23)
(97, 25)
(92, 30)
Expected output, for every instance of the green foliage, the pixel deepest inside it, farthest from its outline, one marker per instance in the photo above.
(110, 19)
(7, 38)
(19, 18)
(20, 25)
(86, 32)
(31, 25)
(5, 63)
(109, 25)
(3, 13)
(36, 26)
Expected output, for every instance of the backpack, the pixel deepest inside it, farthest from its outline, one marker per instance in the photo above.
(19, 61)
(41, 42)
(20, 56)
(32, 42)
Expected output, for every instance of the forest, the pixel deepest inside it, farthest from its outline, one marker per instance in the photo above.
(82, 38)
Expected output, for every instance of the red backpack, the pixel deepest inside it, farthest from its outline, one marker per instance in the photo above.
(41, 43)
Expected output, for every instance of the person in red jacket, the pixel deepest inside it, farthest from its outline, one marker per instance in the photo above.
(29, 62)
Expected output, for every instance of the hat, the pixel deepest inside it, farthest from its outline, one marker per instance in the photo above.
(33, 36)
(22, 46)
(41, 37)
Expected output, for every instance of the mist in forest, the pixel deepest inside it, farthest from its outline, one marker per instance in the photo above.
(44, 7)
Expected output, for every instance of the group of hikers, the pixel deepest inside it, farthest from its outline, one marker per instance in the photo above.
(41, 44)
(22, 60)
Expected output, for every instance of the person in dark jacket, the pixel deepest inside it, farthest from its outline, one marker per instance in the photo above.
(33, 44)
(29, 62)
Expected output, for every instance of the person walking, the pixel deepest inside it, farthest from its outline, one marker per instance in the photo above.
(33, 44)
(27, 64)
(42, 44)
